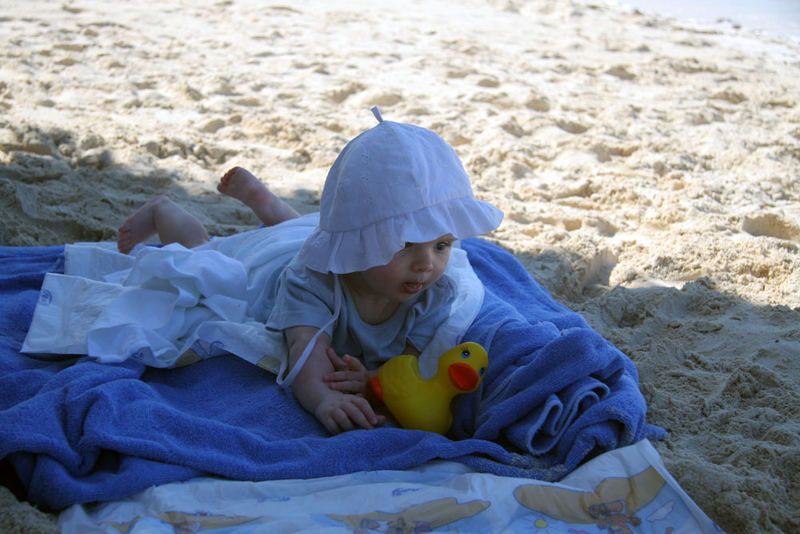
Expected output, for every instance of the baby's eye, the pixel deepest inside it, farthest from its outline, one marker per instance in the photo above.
(442, 245)
(408, 245)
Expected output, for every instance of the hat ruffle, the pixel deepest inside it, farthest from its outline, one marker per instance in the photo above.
(375, 244)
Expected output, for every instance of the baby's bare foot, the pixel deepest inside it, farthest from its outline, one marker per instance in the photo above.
(242, 185)
(139, 226)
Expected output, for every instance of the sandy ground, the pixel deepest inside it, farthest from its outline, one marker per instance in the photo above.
(648, 169)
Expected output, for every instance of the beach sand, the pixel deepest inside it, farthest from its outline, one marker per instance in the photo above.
(649, 170)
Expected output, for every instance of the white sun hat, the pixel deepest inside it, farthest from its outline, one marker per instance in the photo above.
(393, 184)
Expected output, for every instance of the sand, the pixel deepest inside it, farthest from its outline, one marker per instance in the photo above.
(648, 169)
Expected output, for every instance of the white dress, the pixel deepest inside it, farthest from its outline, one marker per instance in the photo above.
(172, 306)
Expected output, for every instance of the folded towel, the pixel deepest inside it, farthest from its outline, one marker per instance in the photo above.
(556, 393)
(76, 430)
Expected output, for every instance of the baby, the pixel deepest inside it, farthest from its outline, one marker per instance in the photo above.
(373, 279)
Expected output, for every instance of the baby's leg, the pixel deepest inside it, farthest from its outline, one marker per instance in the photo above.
(240, 184)
(161, 215)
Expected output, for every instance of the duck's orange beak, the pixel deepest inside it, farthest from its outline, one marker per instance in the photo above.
(463, 376)
(377, 387)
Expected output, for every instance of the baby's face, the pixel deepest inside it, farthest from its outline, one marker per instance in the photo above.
(412, 270)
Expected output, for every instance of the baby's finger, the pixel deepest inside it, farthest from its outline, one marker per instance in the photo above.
(331, 426)
(357, 416)
(345, 385)
(342, 418)
(353, 363)
(345, 375)
(340, 376)
(338, 363)
(365, 410)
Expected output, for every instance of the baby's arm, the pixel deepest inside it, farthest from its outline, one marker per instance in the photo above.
(337, 411)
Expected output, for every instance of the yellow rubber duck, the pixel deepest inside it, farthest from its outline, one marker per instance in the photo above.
(424, 404)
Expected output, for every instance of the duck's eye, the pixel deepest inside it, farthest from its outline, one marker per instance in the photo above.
(481, 371)
(465, 354)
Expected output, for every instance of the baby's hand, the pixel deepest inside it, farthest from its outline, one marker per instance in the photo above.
(349, 376)
(342, 412)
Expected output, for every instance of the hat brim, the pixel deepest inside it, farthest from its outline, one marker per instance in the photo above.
(375, 244)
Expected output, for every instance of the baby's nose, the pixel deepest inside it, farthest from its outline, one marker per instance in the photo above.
(423, 261)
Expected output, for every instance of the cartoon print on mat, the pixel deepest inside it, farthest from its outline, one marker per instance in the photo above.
(613, 516)
(423, 517)
(612, 506)
(186, 523)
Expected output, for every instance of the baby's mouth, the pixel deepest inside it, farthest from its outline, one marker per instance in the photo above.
(412, 287)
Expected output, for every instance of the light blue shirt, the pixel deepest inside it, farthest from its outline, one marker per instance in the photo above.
(306, 298)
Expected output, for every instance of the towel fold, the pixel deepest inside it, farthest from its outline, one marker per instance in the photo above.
(76, 430)
(556, 392)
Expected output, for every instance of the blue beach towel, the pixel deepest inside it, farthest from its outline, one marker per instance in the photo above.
(77, 431)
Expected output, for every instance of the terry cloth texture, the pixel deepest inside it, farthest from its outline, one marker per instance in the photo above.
(76, 430)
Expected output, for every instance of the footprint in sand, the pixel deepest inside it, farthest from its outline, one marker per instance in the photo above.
(691, 66)
(192, 93)
(343, 93)
(457, 73)
(605, 151)
(598, 270)
(537, 103)
(571, 126)
(621, 72)
(385, 100)
(514, 128)
(212, 126)
(489, 81)
(71, 47)
(730, 96)
(771, 225)
(249, 101)
(90, 141)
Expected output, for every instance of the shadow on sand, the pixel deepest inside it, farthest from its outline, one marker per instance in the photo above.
(57, 187)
